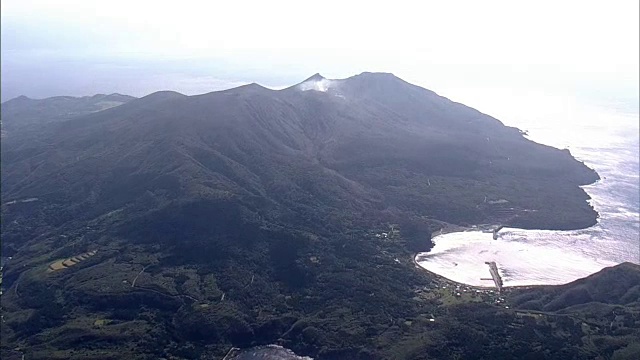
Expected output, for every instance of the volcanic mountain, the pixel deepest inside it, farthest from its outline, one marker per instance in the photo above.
(250, 210)
(368, 143)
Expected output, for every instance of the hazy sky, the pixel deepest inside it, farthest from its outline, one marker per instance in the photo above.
(67, 47)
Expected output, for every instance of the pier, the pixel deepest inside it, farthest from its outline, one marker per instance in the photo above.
(495, 276)
(495, 232)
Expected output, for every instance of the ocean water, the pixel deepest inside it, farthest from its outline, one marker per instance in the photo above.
(605, 137)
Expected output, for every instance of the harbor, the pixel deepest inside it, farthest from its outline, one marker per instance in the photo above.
(524, 257)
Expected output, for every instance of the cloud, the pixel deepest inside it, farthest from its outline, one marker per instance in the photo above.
(547, 43)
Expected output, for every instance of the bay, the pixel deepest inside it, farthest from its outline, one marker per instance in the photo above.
(603, 136)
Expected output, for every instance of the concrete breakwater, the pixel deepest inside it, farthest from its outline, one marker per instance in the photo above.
(495, 275)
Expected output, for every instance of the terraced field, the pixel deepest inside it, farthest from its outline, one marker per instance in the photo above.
(65, 263)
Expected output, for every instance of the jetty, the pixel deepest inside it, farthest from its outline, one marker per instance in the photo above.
(495, 232)
(495, 275)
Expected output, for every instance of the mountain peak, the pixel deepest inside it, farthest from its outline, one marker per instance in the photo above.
(375, 76)
(20, 98)
(253, 85)
(164, 94)
(316, 82)
(315, 77)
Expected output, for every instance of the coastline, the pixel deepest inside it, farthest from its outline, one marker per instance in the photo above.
(448, 228)
(474, 287)
(528, 258)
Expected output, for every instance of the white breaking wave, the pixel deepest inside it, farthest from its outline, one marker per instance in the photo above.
(523, 257)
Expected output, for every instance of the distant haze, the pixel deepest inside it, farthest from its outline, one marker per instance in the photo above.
(588, 49)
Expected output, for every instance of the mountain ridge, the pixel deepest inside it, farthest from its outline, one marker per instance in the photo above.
(23, 112)
(26, 98)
